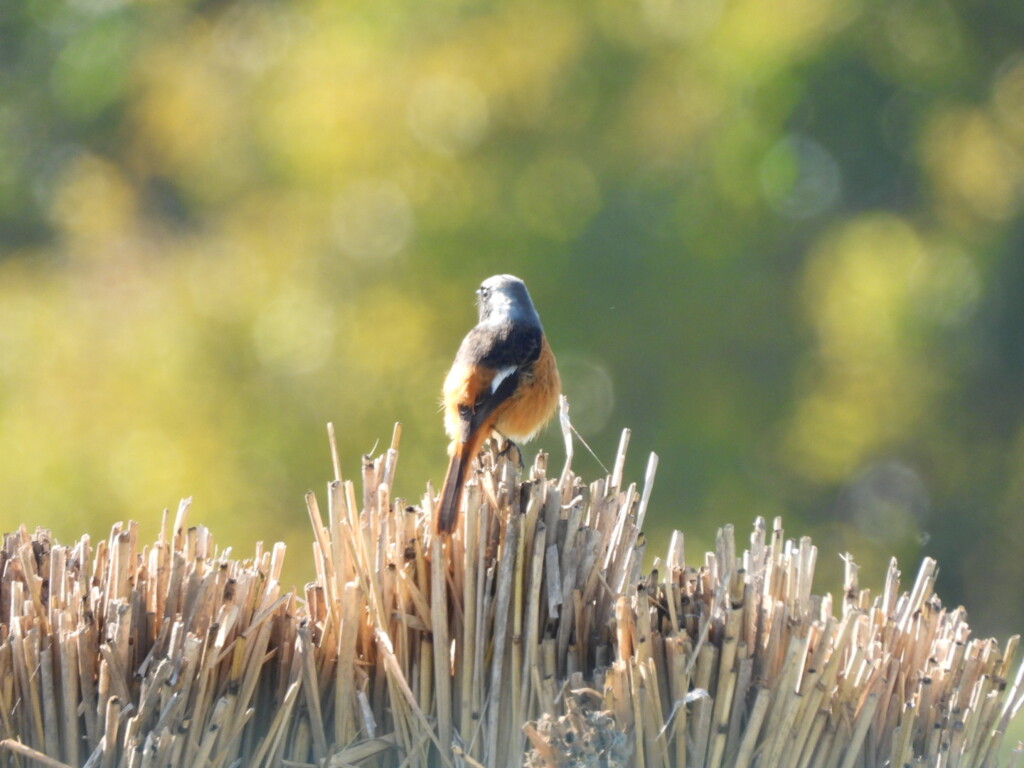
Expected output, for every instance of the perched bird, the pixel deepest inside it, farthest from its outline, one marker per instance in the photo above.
(504, 380)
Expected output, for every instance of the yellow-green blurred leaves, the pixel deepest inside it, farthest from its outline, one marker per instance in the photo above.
(447, 113)
(860, 282)
(526, 49)
(94, 205)
(294, 330)
(100, 390)
(918, 42)
(187, 122)
(1008, 98)
(91, 70)
(670, 107)
(372, 219)
(334, 106)
(876, 291)
(976, 172)
(682, 20)
(775, 34)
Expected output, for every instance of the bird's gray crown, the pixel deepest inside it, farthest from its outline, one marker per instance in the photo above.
(504, 298)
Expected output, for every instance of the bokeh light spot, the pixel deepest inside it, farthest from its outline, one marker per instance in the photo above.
(253, 37)
(975, 169)
(447, 115)
(924, 33)
(858, 285)
(800, 178)
(372, 219)
(886, 501)
(93, 200)
(684, 20)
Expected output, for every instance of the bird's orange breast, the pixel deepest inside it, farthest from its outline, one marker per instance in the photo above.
(534, 402)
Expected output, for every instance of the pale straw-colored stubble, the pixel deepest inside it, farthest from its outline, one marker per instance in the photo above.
(532, 630)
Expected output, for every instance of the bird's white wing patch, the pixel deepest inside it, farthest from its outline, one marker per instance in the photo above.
(500, 376)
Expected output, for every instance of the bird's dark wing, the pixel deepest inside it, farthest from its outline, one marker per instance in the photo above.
(500, 347)
(472, 418)
(506, 350)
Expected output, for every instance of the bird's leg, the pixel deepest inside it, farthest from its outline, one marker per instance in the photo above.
(507, 449)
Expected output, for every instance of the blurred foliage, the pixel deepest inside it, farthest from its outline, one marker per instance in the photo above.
(780, 241)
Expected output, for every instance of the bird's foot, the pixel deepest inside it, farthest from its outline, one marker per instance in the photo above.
(506, 452)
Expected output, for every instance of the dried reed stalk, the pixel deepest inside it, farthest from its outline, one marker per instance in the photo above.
(531, 634)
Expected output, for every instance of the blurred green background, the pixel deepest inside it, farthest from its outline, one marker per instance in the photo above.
(781, 241)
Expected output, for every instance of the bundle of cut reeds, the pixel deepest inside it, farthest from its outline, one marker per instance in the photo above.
(530, 636)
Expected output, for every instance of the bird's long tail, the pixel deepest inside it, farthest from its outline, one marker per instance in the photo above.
(451, 491)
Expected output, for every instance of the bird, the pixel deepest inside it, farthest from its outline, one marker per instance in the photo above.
(504, 381)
